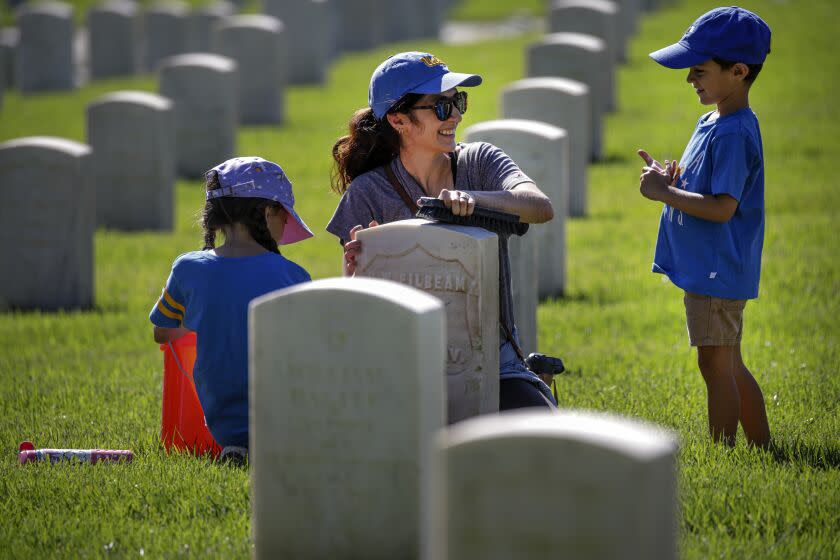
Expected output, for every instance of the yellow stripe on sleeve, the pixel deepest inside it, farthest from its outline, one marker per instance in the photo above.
(172, 315)
(174, 304)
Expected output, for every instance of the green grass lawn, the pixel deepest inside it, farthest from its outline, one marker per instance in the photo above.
(93, 378)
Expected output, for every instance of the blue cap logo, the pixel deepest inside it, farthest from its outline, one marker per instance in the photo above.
(412, 72)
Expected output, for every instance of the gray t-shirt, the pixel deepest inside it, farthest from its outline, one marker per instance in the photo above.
(481, 167)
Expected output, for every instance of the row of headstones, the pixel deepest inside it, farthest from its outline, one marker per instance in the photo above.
(350, 453)
(552, 126)
(39, 54)
(123, 178)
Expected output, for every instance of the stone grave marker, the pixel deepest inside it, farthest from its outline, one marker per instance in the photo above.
(582, 58)
(600, 18)
(45, 50)
(132, 134)
(309, 33)
(543, 485)
(542, 152)
(460, 266)
(47, 222)
(361, 24)
(413, 20)
(257, 43)
(202, 22)
(114, 31)
(629, 17)
(563, 103)
(204, 89)
(9, 38)
(165, 32)
(346, 394)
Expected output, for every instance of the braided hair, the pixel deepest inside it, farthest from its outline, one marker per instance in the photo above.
(370, 143)
(226, 211)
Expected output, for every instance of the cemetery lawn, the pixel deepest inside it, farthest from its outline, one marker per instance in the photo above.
(93, 378)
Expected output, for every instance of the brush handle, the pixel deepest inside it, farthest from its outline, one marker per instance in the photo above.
(91, 456)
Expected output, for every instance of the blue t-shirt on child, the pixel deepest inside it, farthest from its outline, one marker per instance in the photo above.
(724, 156)
(210, 294)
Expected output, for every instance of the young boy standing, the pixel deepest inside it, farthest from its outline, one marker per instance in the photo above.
(711, 230)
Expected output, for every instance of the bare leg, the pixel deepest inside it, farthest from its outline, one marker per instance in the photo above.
(753, 413)
(716, 365)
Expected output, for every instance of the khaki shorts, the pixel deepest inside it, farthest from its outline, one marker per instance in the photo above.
(714, 321)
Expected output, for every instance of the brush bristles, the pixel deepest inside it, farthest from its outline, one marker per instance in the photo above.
(500, 223)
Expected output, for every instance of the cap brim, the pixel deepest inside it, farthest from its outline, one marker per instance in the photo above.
(678, 56)
(447, 81)
(296, 230)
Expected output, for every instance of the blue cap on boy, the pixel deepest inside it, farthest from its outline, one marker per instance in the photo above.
(255, 177)
(412, 72)
(732, 33)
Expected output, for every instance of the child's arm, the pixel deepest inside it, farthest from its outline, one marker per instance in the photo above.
(657, 183)
(165, 334)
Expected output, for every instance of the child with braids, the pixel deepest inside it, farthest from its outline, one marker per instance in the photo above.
(250, 201)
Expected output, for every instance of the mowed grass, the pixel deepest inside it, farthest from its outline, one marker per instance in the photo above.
(93, 378)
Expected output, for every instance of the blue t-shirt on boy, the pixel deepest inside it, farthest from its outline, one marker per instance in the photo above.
(724, 156)
(210, 294)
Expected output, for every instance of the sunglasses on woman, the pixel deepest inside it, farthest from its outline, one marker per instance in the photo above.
(443, 106)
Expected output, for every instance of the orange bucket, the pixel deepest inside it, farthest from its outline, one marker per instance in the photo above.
(182, 421)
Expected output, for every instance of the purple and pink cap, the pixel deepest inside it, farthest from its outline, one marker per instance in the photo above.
(255, 177)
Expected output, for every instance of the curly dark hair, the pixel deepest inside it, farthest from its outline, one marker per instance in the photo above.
(370, 143)
(226, 211)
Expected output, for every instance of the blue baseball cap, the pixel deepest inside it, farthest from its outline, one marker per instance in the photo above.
(732, 33)
(412, 72)
(254, 177)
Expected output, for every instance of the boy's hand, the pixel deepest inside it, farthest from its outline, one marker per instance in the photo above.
(352, 249)
(654, 184)
(671, 168)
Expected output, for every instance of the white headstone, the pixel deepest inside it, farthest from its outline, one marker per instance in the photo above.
(630, 10)
(114, 31)
(563, 103)
(542, 152)
(545, 485)
(165, 32)
(406, 19)
(9, 38)
(47, 220)
(346, 393)
(204, 88)
(459, 265)
(308, 36)
(132, 134)
(601, 18)
(361, 24)
(257, 43)
(582, 58)
(45, 51)
(202, 22)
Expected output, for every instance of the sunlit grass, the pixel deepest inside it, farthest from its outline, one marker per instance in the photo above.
(92, 379)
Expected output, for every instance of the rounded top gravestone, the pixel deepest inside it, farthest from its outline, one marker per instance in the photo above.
(563, 103)
(209, 61)
(122, 7)
(259, 21)
(569, 87)
(52, 143)
(151, 100)
(641, 440)
(57, 9)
